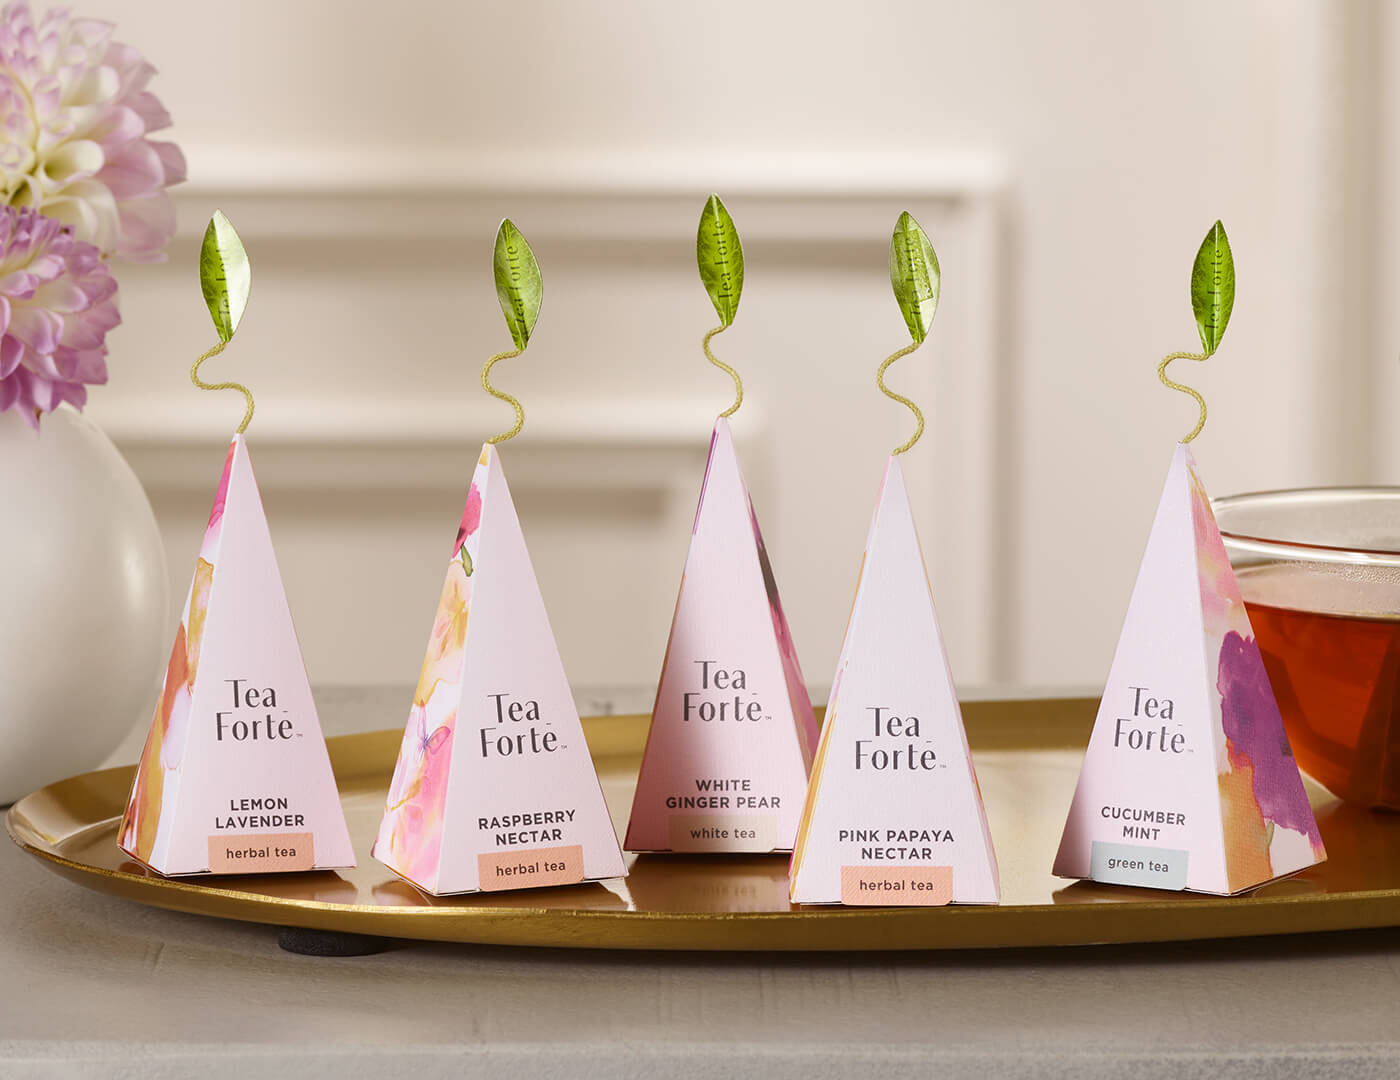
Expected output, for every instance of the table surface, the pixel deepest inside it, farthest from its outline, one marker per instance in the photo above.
(95, 986)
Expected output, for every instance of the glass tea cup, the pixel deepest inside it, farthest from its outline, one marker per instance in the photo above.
(1319, 570)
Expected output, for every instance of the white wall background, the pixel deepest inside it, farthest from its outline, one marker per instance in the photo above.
(1067, 158)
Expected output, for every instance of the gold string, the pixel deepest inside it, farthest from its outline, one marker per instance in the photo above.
(248, 394)
(880, 381)
(1170, 385)
(712, 358)
(512, 402)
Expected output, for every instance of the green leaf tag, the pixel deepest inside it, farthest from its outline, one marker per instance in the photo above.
(519, 286)
(1213, 287)
(720, 257)
(914, 276)
(224, 275)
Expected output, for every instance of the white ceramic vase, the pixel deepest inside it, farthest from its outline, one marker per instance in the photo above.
(83, 600)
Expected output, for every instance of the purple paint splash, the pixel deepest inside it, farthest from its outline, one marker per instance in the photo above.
(1255, 730)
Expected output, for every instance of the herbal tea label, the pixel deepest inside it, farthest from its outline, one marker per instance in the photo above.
(893, 814)
(261, 853)
(530, 868)
(732, 732)
(235, 777)
(494, 787)
(1188, 782)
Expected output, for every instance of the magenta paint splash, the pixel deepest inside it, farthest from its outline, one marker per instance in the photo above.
(1254, 727)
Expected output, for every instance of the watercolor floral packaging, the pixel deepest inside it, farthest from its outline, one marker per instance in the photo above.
(234, 777)
(1187, 782)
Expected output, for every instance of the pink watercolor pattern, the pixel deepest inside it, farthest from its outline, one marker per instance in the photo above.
(410, 833)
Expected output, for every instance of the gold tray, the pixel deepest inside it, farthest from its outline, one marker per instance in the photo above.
(1027, 755)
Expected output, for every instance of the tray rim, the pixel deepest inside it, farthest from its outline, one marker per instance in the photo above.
(1171, 916)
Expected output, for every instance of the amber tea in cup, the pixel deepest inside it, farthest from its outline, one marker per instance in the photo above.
(1319, 570)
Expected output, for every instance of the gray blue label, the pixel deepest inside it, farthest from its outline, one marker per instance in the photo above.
(1133, 864)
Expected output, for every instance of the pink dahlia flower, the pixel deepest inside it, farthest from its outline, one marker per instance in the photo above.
(74, 119)
(58, 299)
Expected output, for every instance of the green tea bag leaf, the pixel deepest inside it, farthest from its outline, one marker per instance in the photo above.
(519, 286)
(1213, 287)
(720, 258)
(914, 275)
(224, 275)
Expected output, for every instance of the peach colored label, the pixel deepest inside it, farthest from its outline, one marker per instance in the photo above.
(530, 869)
(911, 886)
(723, 832)
(261, 853)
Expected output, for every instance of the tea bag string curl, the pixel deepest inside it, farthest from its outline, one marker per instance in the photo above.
(1170, 384)
(712, 358)
(247, 394)
(893, 396)
(513, 402)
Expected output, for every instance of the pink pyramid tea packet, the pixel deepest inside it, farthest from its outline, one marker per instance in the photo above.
(1188, 782)
(733, 731)
(235, 777)
(894, 814)
(494, 786)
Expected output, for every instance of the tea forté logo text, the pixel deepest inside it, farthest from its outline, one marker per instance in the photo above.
(241, 722)
(895, 744)
(723, 696)
(525, 734)
(1147, 730)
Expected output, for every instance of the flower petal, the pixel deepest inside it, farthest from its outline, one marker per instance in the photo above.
(133, 171)
(11, 354)
(147, 106)
(173, 158)
(19, 284)
(73, 161)
(63, 295)
(146, 227)
(37, 328)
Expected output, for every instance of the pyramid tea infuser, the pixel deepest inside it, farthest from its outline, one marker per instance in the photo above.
(234, 777)
(1189, 782)
(494, 786)
(732, 731)
(893, 813)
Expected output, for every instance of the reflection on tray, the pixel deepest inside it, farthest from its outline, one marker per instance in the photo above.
(585, 896)
(1097, 892)
(319, 886)
(710, 883)
(1363, 846)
